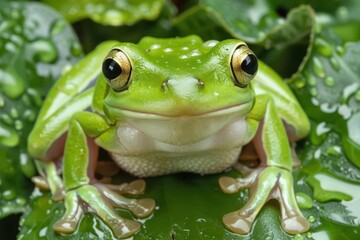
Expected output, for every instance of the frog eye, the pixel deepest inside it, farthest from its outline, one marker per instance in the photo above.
(117, 69)
(244, 65)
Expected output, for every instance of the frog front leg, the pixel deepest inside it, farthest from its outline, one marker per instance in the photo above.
(80, 155)
(272, 179)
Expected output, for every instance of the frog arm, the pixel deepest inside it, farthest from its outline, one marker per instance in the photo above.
(46, 142)
(272, 179)
(47, 139)
(270, 140)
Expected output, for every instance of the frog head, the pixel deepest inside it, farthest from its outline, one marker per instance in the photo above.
(179, 90)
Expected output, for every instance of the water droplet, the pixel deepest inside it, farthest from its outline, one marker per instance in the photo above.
(10, 47)
(329, 81)
(112, 17)
(35, 96)
(210, 43)
(194, 53)
(313, 92)
(183, 57)
(321, 129)
(2, 101)
(357, 95)
(299, 83)
(15, 13)
(57, 27)
(6, 119)
(345, 111)
(21, 201)
(42, 232)
(335, 63)
(76, 49)
(29, 115)
(18, 124)
(44, 50)
(155, 46)
(311, 219)
(340, 50)
(334, 151)
(323, 47)
(348, 91)
(328, 108)
(26, 165)
(318, 67)
(14, 113)
(342, 12)
(317, 153)
(298, 237)
(167, 50)
(9, 195)
(8, 136)
(11, 83)
(311, 80)
(304, 201)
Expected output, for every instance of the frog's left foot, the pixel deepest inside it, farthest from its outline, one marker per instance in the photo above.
(265, 183)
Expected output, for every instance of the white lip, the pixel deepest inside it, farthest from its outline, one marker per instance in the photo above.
(220, 112)
(183, 129)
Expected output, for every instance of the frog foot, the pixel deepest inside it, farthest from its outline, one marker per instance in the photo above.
(102, 200)
(267, 183)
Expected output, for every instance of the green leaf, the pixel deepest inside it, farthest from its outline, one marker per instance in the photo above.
(328, 87)
(335, 183)
(252, 21)
(36, 45)
(108, 12)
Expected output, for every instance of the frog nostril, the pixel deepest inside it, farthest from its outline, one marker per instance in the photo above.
(165, 85)
(201, 83)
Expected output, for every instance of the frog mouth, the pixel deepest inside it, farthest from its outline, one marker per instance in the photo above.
(239, 108)
(183, 129)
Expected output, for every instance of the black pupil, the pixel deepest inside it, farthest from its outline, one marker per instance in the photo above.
(250, 64)
(111, 69)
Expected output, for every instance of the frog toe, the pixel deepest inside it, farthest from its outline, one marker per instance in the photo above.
(135, 187)
(139, 207)
(124, 228)
(228, 185)
(143, 207)
(237, 223)
(65, 226)
(68, 223)
(232, 185)
(296, 224)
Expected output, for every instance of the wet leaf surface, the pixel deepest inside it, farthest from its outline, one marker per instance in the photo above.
(36, 44)
(108, 12)
(255, 22)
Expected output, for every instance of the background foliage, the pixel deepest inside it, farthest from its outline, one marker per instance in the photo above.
(314, 46)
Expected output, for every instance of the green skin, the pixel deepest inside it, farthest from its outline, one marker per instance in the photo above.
(182, 107)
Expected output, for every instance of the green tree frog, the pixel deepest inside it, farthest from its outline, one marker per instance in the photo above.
(164, 106)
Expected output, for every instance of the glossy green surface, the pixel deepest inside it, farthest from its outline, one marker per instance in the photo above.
(36, 46)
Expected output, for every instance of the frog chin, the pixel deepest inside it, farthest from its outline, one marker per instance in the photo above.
(184, 129)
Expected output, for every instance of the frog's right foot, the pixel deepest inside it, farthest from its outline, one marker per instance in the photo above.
(101, 200)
